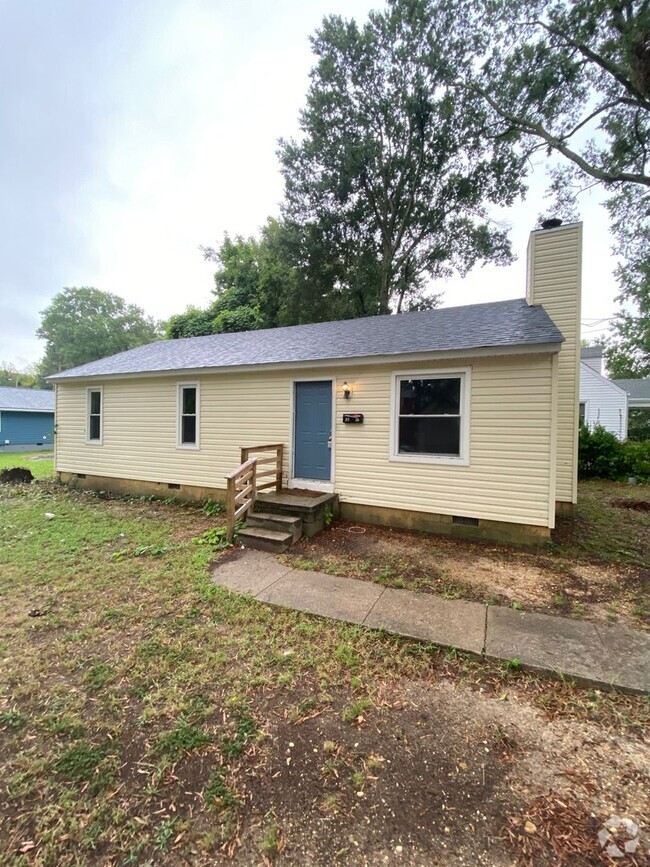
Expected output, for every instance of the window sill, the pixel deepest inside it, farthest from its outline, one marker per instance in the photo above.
(431, 459)
(184, 447)
(94, 442)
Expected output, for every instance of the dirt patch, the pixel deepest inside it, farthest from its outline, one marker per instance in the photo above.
(637, 505)
(437, 774)
(495, 574)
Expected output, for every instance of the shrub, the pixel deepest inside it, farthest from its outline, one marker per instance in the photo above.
(602, 456)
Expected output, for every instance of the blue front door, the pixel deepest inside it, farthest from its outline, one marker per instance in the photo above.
(313, 431)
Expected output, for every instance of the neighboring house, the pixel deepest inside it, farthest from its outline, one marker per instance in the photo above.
(602, 401)
(460, 419)
(26, 419)
(638, 392)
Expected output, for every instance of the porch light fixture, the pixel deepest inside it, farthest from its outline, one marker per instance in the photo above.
(347, 391)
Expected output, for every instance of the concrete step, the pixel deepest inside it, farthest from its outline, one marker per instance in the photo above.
(276, 541)
(283, 523)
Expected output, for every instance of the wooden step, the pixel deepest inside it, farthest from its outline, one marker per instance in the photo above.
(276, 541)
(283, 523)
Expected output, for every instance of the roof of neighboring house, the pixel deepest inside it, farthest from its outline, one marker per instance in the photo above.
(26, 399)
(494, 325)
(591, 352)
(637, 389)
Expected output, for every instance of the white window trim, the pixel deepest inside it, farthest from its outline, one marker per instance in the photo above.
(179, 416)
(465, 374)
(89, 391)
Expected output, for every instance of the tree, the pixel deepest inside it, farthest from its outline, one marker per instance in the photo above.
(27, 378)
(394, 169)
(84, 324)
(573, 79)
(255, 284)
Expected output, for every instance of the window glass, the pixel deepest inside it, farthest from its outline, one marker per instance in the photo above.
(429, 436)
(95, 415)
(95, 427)
(188, 427)
(188, 410)
(189, 401)
(429, 416)
(430, 396)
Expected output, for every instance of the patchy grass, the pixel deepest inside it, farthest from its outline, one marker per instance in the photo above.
(149, 716)
(41, 464)
(595, 568)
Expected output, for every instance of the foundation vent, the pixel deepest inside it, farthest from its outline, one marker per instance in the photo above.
(466, 522)
(80, 475)
(173, 486)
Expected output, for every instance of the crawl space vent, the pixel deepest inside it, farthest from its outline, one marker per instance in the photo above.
(467, 522)
(173, 486)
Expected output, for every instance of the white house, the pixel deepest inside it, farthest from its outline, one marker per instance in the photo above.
(602, 402)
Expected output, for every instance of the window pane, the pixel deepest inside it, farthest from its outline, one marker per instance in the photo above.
(94, 427)
(95, 402)
(429, 436)
(430, 396)
(189, 401)
(189, 429)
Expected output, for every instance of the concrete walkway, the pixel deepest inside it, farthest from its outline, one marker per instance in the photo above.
(592, 653)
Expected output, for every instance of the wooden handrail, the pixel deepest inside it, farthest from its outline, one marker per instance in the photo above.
(242, 483)
(241, 488)
(267, 473)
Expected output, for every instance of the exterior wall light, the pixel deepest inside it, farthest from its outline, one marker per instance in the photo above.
(347, 391)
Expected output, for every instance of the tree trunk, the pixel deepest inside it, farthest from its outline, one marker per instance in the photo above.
(384, 289)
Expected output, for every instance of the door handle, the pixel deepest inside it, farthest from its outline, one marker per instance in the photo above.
(329, 441)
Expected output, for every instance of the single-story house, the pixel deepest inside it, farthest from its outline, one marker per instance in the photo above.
(638, 392)
(26, 419)
(602, 401)
(460, 419)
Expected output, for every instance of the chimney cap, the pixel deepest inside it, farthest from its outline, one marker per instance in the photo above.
(551, 223)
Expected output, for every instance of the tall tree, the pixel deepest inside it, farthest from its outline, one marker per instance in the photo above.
(255, 284)
(395, 169)
(572, 78)
(83, 324)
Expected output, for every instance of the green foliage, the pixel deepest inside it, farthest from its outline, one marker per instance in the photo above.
(212, 508)
(602, 456)
(183, 738)
(571, 78)
(28, 378)
(394, 168)
(83, 324)
(638, 424)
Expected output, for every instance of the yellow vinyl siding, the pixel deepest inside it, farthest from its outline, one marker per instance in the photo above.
(509, 477)
(554, 281)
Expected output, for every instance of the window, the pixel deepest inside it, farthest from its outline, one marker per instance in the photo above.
(188, 415)
(95, 408)
(582, 412)
(430, 417)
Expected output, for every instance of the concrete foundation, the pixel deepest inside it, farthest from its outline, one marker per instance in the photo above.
(495, 531)
(140, 488)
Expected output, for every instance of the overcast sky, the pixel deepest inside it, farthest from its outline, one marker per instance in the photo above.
(132, 131)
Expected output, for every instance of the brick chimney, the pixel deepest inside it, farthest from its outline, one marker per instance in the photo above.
(554, 280)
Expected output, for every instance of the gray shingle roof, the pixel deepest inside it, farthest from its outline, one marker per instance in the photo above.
(637, 389)
(494, 325)
(591, 352)
(32, 399)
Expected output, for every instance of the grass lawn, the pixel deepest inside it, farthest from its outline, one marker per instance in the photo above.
(41, 464)
(597, 567)
(149, 717)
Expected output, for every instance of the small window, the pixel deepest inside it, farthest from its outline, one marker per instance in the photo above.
(430, 421)
(95, 408)
(188, 415)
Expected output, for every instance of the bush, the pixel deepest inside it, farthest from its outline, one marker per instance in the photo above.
(602, 456)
